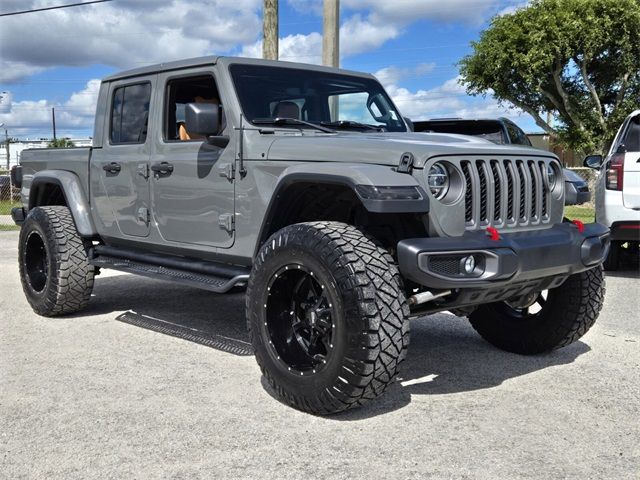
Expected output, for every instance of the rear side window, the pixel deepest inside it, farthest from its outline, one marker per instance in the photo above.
(631, 140)
(130, 113)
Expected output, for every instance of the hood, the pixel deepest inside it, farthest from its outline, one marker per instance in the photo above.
(386, 148)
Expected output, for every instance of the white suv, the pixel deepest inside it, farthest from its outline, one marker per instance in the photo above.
(617, 189)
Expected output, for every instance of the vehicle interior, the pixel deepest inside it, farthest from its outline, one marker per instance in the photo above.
(188, 90)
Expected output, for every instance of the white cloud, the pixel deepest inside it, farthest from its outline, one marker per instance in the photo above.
(392, 75)
(357, 35)
(405, 11)
(446, 100)
(28, 116)
(123, 34)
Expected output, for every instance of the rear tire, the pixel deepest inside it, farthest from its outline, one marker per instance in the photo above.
(567, 313)
(54, 269)
(326, 316)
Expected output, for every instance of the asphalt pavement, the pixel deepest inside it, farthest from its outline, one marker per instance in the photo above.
(157, 381)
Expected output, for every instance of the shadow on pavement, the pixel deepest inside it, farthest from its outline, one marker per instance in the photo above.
(446, 355)
(202, 317)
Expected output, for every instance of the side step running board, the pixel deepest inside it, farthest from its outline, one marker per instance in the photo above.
(215, 278)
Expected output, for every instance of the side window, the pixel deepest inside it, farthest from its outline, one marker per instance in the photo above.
(130, 113)
(631, 140)
(516, 135)
(179, 92)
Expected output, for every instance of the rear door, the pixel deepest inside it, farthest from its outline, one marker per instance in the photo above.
(119, 170)
(631, 144)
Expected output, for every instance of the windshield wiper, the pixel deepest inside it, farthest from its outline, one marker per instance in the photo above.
(351, 124)
(289, 121)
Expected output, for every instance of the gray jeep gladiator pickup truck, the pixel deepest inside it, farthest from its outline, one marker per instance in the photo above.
(305, 185)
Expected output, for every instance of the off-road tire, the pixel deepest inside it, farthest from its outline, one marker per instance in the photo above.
(569, 312)
(68, 280)
(371, 330)
(612, 261)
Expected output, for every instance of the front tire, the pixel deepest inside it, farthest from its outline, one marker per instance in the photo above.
(565, 315)
(326, 316)
(54, 269)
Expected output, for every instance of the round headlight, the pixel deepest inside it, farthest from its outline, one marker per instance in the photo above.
(551, 174)
(438, 180)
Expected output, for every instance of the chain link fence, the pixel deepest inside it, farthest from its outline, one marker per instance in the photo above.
(9, 198)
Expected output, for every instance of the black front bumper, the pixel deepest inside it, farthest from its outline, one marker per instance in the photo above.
(18, 214)
(561, 250)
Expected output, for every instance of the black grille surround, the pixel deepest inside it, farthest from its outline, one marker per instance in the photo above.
(506, 193)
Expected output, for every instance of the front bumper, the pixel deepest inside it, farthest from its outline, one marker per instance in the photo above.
(18, 214)
(561, 250)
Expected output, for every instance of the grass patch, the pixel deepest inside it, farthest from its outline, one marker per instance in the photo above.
(7, 205)
(8, 228)
(584, 213)
(6, 222)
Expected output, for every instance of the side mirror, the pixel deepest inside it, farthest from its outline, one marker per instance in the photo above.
(202, 118)
(593, 161)
(409, 124)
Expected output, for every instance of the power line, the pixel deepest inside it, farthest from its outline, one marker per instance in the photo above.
(53, 8)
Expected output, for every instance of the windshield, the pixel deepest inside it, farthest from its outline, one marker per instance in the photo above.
(339, 101)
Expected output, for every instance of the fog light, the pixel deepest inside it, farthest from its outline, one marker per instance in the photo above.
(468, 264)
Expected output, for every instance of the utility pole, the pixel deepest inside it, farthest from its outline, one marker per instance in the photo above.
(331, 45)
(53, 116)
(331, 33)
(270, 30)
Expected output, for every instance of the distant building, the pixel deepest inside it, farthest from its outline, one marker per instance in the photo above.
(17, 146)
(568, 157)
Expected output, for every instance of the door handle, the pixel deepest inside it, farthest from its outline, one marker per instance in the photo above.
(162, 169)
(112, 167)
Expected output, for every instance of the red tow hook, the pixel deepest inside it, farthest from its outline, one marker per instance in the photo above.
(578, 224)
(493, 234)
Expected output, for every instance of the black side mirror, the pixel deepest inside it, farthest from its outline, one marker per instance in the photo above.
(409, 124)
(204, 119)
(593, 161)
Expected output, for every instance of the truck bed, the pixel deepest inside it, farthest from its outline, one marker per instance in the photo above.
(75, 160)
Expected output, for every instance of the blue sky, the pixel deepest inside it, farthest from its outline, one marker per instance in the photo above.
(56, 58)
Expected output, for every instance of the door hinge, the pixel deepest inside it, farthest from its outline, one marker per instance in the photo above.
(406, 163)
(227, 221)
(144, 215)
(143, 170)
(227, 170)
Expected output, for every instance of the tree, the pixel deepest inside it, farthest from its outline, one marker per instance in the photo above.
(61, 143)
(578, 60)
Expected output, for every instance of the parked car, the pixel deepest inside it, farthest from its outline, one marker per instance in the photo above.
(503, 131)
(618, 190)
(219, 172)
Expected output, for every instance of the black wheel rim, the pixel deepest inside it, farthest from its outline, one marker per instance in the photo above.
(36, 262)
(299, 319)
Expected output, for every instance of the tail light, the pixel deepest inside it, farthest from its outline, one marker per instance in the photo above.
(615, 172)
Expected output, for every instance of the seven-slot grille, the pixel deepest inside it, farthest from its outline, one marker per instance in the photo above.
(505, 193)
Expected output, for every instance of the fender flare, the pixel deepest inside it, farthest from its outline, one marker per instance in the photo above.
(351, 176)
(74, 196)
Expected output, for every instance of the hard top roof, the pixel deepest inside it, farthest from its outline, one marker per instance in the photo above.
(213, 59)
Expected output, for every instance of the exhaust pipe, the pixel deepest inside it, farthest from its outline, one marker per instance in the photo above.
(424, 297)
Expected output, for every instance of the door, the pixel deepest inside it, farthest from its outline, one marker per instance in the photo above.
(631, 146)
(192, 179)
(119, 176)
